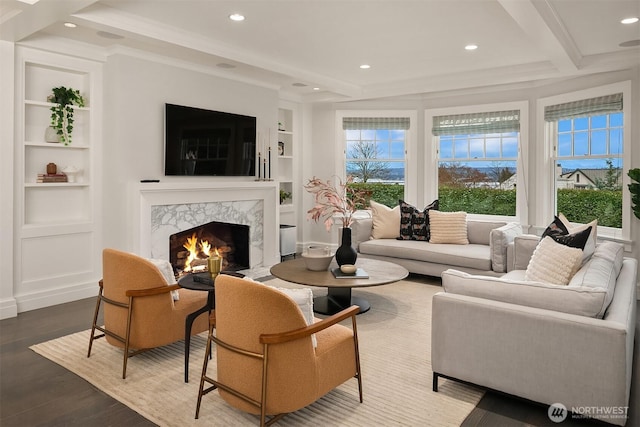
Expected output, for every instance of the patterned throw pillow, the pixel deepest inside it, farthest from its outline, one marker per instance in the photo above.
(558, 231)
(414, 224)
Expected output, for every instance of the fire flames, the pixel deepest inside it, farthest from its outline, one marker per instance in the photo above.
(196, 248)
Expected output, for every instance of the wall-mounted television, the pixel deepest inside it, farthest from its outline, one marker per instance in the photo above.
(208, 143)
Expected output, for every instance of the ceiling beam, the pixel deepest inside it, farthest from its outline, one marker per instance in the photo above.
(24, 20)
(539, 20)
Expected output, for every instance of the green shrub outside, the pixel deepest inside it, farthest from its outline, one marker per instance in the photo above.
(580, 206)
(583, 206)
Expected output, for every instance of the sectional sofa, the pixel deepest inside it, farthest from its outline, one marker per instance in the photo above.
(569, 345)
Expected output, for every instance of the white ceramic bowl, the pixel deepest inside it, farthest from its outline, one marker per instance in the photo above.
(317, 262)
(348, 268)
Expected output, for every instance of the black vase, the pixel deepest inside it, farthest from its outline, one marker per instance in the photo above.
(345, 253)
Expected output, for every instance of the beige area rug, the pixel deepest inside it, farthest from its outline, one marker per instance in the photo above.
(395, 351)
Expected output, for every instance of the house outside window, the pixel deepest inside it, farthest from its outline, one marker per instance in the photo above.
(587, 138)
(375, 156)
(478, 159)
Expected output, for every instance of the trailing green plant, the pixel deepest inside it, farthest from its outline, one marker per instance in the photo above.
(634, 189)
(284, 195)
(62, 112)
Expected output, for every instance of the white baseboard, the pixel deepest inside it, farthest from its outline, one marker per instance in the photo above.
(8, 308)
(56, 296)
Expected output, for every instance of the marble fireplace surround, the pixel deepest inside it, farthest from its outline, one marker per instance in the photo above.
(166, 208)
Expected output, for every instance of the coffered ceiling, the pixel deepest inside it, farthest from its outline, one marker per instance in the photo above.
(313, 49)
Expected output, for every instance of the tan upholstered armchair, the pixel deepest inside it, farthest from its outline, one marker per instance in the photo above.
(139, 311)
(266, 360)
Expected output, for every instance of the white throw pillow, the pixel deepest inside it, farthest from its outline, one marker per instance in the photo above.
(167, 271)
(448, 227)
(553, 263)
(590, 247)
(301, 296)
(386, 221)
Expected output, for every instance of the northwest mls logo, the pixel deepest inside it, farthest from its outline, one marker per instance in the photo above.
(557, 412)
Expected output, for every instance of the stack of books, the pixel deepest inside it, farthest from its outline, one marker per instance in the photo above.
(51, 177)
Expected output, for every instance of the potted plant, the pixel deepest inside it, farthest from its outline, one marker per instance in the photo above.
(62, 112)
(284, 195)
(339, 200)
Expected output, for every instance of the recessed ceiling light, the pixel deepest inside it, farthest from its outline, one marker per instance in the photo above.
(471, 47)
(316, 88)
(236, 17)
(365, 66)
(629, 20)
(29, 1)
(70, 25)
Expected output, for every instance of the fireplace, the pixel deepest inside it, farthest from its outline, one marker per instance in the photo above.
(165, 208)
(189, 249)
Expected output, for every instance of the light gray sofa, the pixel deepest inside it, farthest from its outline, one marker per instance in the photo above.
(571, 345)
(486, 252)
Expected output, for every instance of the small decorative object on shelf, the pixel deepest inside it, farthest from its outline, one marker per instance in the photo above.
(52, 169)
(51, 177)
(284, 196)
(280, 148)
(281, 127)
(51, 135)
(62, 112)
(71, 172)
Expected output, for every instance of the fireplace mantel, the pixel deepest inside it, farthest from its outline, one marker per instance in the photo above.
(224, 198)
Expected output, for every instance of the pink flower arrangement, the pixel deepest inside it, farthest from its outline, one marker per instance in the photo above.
(332, 200)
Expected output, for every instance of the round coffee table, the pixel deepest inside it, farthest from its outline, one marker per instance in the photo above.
(339, 290)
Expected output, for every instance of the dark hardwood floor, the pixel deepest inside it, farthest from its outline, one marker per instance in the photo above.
(37, 392)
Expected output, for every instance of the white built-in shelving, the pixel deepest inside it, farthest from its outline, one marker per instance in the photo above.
(57, 225)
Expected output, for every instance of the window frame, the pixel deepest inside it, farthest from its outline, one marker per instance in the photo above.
(410, 148)
(546, 190)
(431, 155)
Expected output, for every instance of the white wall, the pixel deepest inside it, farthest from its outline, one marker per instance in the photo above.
(8, 305)
(136, 90)
(323, 136)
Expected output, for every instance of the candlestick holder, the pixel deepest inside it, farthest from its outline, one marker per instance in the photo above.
(214, 263)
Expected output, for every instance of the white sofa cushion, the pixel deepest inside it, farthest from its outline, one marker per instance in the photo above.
(583, 301)
(386, 221)
(448, 227)
(601, 271)
(499, 239)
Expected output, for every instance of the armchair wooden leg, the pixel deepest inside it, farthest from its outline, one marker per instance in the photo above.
(95, 320)
(435, 381)
(357, 350)
(207, 357)
(126, 340)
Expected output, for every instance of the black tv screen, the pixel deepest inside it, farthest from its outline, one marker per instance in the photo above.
(208, 143)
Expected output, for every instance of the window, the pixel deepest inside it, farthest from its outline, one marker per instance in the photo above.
(478, 161)
(588, 149)
(375, 150)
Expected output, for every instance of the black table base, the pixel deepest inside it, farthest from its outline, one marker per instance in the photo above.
(338, 299)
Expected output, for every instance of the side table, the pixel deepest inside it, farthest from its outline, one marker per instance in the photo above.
(196, 282)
